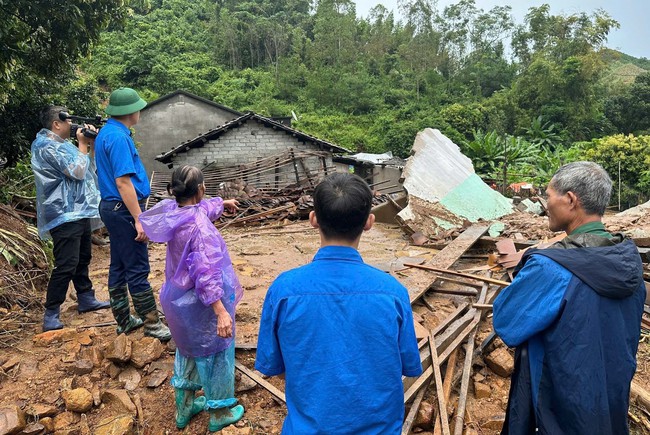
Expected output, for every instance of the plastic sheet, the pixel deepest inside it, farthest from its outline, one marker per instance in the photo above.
(66, 183)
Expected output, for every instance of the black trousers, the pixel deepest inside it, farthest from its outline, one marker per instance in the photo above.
(72, 254)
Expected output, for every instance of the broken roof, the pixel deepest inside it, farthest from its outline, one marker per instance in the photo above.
(203, 138)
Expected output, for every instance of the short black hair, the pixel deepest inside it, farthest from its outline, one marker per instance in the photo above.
(50, 114)
(185, 182)
(342, 204)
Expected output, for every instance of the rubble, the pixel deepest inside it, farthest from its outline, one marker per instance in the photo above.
(38, 410)
(119, 350)
(121, 425)
(12, 420)
(444, 191)
(501, 362)
(130, 377)
(119, 402)
(145, 351)
(65, 420)
(78, 400)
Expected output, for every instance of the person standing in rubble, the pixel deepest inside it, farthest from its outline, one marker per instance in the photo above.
(67, 201)
(124, 189)
(341, 331)
(199, 297)
(573, 312)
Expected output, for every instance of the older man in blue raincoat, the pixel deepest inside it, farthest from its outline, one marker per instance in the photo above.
(67, 202)
(573, 312)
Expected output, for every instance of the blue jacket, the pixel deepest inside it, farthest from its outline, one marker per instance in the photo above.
(574, 315)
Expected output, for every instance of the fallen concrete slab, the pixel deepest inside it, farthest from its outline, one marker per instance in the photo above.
(444, 191)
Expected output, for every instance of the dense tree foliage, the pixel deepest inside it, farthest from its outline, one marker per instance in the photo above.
(371, 83)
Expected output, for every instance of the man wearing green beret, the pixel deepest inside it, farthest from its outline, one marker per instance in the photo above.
(124, 188)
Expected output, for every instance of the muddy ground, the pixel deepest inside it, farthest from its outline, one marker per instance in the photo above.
(37, 375)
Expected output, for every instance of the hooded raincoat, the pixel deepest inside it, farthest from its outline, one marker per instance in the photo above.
(573, 312)
(66, 183)
(198, 272)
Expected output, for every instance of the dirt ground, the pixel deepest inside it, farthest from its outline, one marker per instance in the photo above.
(259, 255)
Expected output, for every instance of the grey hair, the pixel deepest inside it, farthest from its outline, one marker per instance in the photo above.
(50, 114)
(588, 181)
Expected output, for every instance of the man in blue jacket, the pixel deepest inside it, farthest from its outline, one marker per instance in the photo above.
(341, 331)
(67, 201)
(573, 312)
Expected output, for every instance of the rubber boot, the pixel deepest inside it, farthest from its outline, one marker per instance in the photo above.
(122, 312)
(145, 305)
(220, 418)
(187, 406)
(87, 302)
(51, 319)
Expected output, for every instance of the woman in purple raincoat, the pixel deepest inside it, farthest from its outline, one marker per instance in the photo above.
(198, 298)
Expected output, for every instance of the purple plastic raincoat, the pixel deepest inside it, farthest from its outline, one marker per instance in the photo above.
(198, 272)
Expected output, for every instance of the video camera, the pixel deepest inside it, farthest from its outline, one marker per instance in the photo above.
(96, 121)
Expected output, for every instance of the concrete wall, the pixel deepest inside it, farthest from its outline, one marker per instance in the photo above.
(171, 122)
(248, 143)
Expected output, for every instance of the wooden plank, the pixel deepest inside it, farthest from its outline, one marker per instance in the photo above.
(457, 292)
(447, 257)
(464, 275)
(413, 412)
(446, 389)
(261, 382)
(437, 376)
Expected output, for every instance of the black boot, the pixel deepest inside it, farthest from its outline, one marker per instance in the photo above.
(145, 305)
(122, 312)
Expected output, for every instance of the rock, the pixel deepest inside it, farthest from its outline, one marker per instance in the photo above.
(39, 410)
(119, 402)
(122, 425)
(478, 377)
(55, 336)
(425, 416)
(51, 398)
(82, 367)
(66, 383)
(65, 420)
(111, 369)
(233, 430)
(48, 423)
(157, 378)
(97, 397)
(78, 400)
(119, 350)
(243, 383)
(93, 354)
(28, 368)
(12, 420)
(33, 429)
(165, 366)
(85, 337)
(481, 391)
(494, 422)
(146, 351)
(501, 362)
(171, 346)
(10, 363)
(130, 377)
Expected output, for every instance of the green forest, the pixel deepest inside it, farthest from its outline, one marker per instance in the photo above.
(527, 95)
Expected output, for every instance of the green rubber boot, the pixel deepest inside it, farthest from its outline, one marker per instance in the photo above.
(187, 406)
(121, 310)
(220, 418)
(145, 305)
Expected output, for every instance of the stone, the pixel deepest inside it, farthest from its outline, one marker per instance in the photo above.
(66, 384)
(28, 368)
(51, 398)
(157, 378)
(85, 337)
(56, 336)
(501, 362)
(10, 363)
(171, 346)
(119, 402)
(78, 400)
(478, 377)
(112, 370)
(122, 425)
(425, 417)
(165, 366)
(33, 429)
(48, 423)
(65, 420)
(97, 397)
(234, 430)
(494, 422)
(481, 391)
(82, 367)
(119, 350)
(244, 383)
(146, 351)
(130, 377)
(94, 354)
(39, 410)
(12, 420)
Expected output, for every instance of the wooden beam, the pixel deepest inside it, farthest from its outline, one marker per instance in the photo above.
(442, 404)
(261, 382)
(413, 412)
(464, 275)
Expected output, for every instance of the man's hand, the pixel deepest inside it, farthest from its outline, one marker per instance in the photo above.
(85, 142)
(231, 205)
(224, 321)
(141, 237)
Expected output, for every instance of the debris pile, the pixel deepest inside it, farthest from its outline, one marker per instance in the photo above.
(444, 191)
(269, 190)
